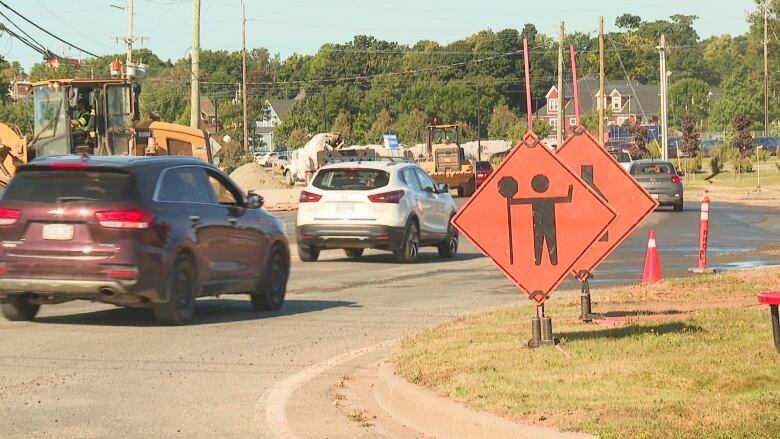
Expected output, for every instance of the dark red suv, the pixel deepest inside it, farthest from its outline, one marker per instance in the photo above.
(135, 231)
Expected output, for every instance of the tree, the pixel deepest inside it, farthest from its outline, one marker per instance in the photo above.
(691, 138)
(411, 127)
(383, 124)
(628, 21)
(19, 114)
(690, 96)
(501, 121)
(343, 126)
(743, 139)
(518, 131)
(639, 137)
(298, 137)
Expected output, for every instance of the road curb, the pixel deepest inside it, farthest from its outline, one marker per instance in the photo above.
(433, 415)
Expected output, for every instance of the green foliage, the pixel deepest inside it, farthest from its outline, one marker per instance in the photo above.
(298, 137)
(383, 124)
(654, 148)
(501, 121)
(411, 127)
(518, 131)
(762, 155)
(689, 96)
(696, 163)
(19, 114)
(343, 126)
(716, 164)
(741, 165)
(233, 155)
(691, 139)
(743, 138)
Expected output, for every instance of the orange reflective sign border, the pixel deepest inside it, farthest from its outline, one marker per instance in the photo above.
(534, 217)
(609, 180)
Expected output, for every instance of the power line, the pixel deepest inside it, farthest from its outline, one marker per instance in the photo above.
(47, 32)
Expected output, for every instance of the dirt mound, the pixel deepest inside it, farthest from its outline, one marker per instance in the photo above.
(253, 177)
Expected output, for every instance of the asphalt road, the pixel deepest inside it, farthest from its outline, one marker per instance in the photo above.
(90, 370)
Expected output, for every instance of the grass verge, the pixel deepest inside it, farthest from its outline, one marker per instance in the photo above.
(694, 360)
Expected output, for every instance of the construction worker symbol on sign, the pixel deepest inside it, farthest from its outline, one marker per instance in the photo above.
(543, 210)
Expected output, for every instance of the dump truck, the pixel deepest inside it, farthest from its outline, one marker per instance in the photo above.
(444, 159)
(115, 124)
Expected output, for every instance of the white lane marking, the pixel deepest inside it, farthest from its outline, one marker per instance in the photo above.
(276, 398)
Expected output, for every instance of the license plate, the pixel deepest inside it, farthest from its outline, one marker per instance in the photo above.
(345, 207)
(58, 232)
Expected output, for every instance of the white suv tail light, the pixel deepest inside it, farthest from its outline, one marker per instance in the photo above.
(387, 197)
(308, 197)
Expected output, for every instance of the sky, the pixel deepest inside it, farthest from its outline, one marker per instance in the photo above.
(302, 26)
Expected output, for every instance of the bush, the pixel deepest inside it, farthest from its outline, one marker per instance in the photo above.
(716, 164)
(655, 149)
(741, 164)
(763, 155)
(696, 162)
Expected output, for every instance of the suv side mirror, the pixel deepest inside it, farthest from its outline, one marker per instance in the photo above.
(254, 201)
(443, 188)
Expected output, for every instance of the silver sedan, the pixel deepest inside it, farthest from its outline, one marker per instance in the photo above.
(661, 180)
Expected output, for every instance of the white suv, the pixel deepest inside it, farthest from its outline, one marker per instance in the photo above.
(387, 205)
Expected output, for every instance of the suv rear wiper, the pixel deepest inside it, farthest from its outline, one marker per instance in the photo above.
(74, 199)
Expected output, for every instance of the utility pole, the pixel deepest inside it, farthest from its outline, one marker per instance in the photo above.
(601, 81)
(479, 123)
(243, 74)
(129, 38)
(195, 81)
(766, 71)
(561, 94)
(664, 109)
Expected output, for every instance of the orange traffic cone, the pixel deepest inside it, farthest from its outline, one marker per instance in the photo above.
(652, 262)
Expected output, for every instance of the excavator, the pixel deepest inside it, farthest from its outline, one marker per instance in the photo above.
(115, 124)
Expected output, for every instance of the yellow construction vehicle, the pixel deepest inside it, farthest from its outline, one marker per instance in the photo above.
(113, 127)
(445, 160)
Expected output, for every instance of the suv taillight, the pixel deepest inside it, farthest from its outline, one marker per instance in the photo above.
(676, 179)
(124, 219)
(387, 197)
(9, 217)
(308, 197)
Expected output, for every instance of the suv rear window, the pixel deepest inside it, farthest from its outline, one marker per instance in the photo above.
(652, 169)
(62, 186)
(351, 179)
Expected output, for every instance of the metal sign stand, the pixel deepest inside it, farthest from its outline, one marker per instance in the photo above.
(541, 330)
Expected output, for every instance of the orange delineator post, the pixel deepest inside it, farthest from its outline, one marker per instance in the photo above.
(704, 230)
(652, 272)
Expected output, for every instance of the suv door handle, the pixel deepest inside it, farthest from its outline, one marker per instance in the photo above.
(232, 220)
(195, 219)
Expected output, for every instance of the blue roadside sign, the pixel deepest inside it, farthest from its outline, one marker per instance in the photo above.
(391, 141)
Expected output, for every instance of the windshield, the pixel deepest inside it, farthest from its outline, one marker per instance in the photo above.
(50, 117)
(444, 135)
